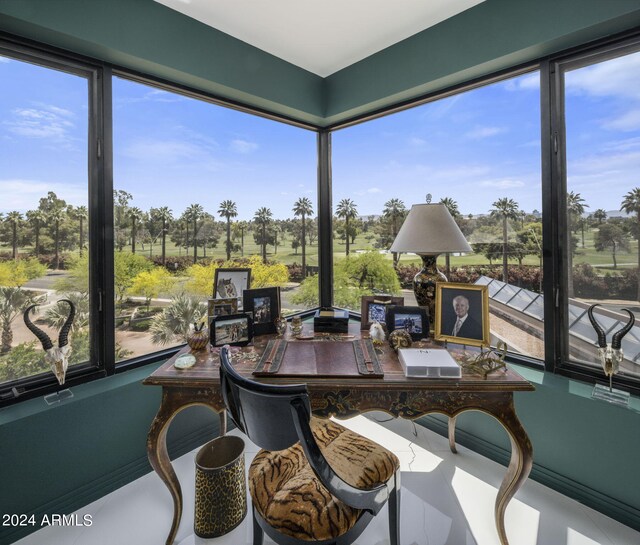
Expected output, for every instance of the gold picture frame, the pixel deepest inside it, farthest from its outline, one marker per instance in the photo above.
(222, 307)
(468, 302)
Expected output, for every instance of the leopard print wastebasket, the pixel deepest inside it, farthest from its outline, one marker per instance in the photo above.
(221, 488)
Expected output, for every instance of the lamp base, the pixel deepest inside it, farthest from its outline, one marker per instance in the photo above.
(424, 285)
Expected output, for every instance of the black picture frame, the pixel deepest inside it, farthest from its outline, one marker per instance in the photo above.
(231, 283)
(414, 319)
(221, 330)
(264, 304)
(382, 303)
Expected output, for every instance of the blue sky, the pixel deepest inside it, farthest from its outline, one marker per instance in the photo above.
(173, 151)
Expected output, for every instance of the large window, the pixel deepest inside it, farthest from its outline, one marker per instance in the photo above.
(478, 152)
(602, 126)
(199, 187)
(44, 223)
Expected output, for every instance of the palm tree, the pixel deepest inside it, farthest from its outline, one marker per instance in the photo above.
(81, 214)
(37, 218)
(228, 210)
(263, 217)
(303, 208)
(173, 323)
(395, 210)
(193, 213)
(136, 215)
(57, 315)
(631, 204)
(452, 207)
(12, 303)
(55, 217)
(347, 210)
(599, 215)
(15, 219)
(164, 215)
(505, 209)
(576, 207)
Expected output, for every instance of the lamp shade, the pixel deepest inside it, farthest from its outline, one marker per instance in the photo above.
(430, 229)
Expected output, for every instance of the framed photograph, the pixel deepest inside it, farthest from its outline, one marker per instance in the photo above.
(264, 303)
(414, 320)
(236, 330)
(374, 308)
(462, 313)
(222, 307)
(230, 283)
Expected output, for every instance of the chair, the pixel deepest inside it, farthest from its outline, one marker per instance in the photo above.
(315, 481)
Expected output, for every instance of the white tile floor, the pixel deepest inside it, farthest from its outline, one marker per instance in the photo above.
(447, 499)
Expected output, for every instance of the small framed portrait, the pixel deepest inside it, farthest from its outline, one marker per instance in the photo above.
(230, 283)
(373, 308)
(236, 330)
(462, 313)
(264, 303)
(222, 307)
(413, 320)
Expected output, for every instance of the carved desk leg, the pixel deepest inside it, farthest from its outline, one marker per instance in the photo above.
(519, 466)
(173, 401)
(452, 434)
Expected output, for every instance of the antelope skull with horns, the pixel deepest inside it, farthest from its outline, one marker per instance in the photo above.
(56, 356)
(611, 356)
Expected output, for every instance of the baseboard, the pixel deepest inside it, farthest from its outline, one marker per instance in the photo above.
(97, 488)
(611, 507)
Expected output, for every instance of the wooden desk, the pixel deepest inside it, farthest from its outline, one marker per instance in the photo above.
(395, 394)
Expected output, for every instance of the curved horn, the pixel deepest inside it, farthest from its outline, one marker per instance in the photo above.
(42, 336)
(64, 332)
(602, 338)
(616, 338)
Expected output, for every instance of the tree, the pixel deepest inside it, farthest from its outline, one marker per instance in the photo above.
(149, 284)
(505, 209)
(346, 210)
(37, 219)
(302, 207)
(228, 210)
(610, 237)
(173, 323)
(631, 204)
(55, 217)
(57, 315)
(17, 273)
(81, 214)
(262, 218)
(121, 201)
(575, 209)
(15, 219)
(163, 214)
(135, 215)
(395, 210)
(126, 267)
(13, 301)
(452, 207)
(600, 215)
(193, 213)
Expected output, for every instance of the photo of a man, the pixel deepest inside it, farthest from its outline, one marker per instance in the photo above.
(463, 312)
(462, 324)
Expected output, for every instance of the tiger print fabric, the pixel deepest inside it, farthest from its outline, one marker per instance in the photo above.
(288, 495)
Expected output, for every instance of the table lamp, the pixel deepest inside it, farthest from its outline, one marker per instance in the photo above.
(428, 231)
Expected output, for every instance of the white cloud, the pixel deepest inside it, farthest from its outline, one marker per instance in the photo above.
(417, 142)
(528, 82)
(243, 146)
(616, 77)
(47, 122)
(4, 60)
(484, 132)
(369, 191)
(502, 184)
(24, 194)
(627, 122)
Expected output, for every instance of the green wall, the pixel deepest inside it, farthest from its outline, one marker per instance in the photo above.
(148, 37)
(59, 458)
(585, 448)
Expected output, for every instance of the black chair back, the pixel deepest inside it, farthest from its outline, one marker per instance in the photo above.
(262, 411)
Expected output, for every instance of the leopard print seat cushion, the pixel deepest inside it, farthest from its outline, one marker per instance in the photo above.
(289, 496)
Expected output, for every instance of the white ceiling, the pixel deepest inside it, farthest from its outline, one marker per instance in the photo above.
(320, 36)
